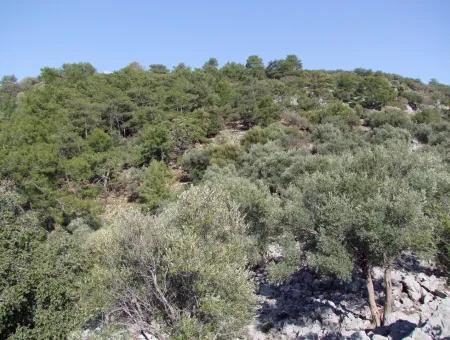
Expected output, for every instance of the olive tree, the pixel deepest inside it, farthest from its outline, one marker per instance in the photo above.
(181, 273)
(366, 211)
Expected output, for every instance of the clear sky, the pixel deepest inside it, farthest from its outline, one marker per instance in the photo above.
(408, 37)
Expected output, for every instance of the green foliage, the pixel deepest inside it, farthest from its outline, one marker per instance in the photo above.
(99, 140)
(154, 142)
(392, 116)
(78, 169)
(184, 269)
(282, 68)
(306, 176)
(427, 116)
(369, 210)
(255, 135)
(375, 92)
(195, 163)
(414, 98)
(387, 134)
(258, 207)
(154, 187)
(40, 277)
(333, 113)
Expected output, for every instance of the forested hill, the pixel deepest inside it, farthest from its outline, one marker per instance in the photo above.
(73, 140)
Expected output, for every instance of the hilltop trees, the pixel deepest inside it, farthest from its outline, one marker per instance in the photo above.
(289, 66)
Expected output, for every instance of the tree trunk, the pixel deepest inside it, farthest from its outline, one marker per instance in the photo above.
(371, 296)
(387, 292)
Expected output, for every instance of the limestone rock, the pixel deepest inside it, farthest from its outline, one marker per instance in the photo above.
(412, 287)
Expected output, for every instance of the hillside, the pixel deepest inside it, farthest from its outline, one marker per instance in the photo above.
(149, 201)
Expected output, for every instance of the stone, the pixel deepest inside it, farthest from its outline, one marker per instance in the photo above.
(427, 298)
(254, 333)
(377, 273)
(274, 253)
(412, 287)
(406, 302)
(329, 318)
(392, 318)
(350, 322)
(360, 335)
(396, 277)
(430, 283)
(438, 325)
(292, 331)
(418, 334)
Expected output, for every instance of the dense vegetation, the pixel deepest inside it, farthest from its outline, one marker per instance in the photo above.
(122, 198)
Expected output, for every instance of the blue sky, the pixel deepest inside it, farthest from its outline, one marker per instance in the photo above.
(408, 37)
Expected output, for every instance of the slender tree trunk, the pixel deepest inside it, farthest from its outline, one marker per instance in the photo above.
(387, 292)
(376, 319)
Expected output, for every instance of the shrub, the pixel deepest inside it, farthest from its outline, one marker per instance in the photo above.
(423, 132)
(77, 169)
(375, 91)
(40, 277)
(389, 134)
(414, 98)
(155, 185)
(155, 143)
(428, 116)
(261, 210)
(391, 116)
(256, 135)
(223, 154)
(329, 139)
(181, 273)
(99, 140)
(293, 119)
(195, 162)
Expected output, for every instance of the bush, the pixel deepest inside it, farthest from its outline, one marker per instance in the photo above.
(428, 116)
(181, 273)
(255, 135)
(293, 119)
(375, 91)
(40, 281)
(259, 208)
(77, 169)
(224, 154)
(414, 98)
(99, 140)
(155, 185)
(367, 210)
(155, 143)
(391, 116)
(195, 162)
(423, 132)
(329, 139)
(389, 134)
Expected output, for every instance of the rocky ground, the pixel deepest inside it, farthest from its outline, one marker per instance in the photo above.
(313, 307)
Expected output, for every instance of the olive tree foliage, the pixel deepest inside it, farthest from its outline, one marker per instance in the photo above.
(389, 115)
(182, 273)
(261, 210)
(367, 209)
